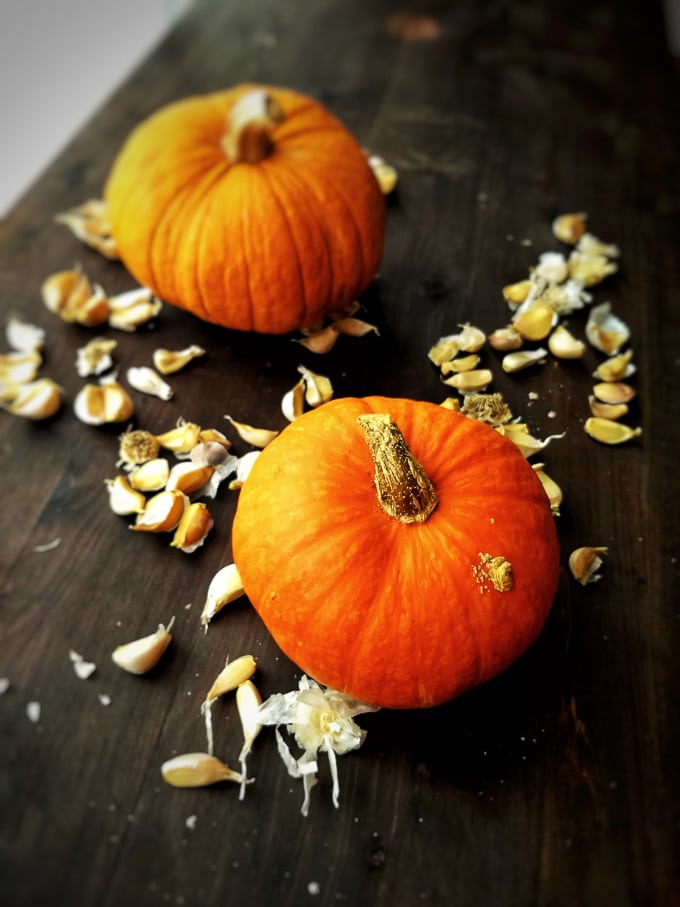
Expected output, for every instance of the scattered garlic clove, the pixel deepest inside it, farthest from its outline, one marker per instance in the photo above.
(443, 350)
(616, 368)
(248, 702)
(243, 467)
(258, 437)
(124, 500)
(521, 359)
(536, 322)
(584, 563)
(82, 668)
(516, 293)
(147, 381)
(470, 382)
(167, 362)
(609, 432)
(24, 337)
(552, 267)
(181, 439)
(162, 512)
(141, 655)
(293, 401)
(354, 327)
(506, 339)
(193, 529)
(614, 392)
(95, 357)
(100, 404)
(589, 268)
(150, 475)
(188, 477)
(35, 400)
(321, 341)
(605, 331)
(318, 388)
(89, 223)
(231, 676)
(20, 367)
(197, 770)
(133, 308)
(569, 228)
(460, 364)
(551, 488)
(225, 587)
(527, 444)
(564, 345)
(611, 411)
(72, 296)
(452, 403)
(136, 446)
(589, 244)
(385, 173)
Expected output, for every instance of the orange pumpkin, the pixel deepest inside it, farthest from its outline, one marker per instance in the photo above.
(397, 551)
(253, 208)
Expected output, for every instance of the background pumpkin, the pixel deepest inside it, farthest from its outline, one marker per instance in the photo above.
(253, 208)
(397, 614)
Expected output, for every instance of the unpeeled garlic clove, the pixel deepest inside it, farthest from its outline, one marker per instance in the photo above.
(35, 400)
(607, 431)
(521, 359)
(527, 444)
(225, 587)
(584, 564)
(167, 362)
(506, 339)
(354, 327)
(100, 404)
(124, 500)
(24, 337)
(147, 381)
(141, 655)
(589, 268)
(72, 296)
(321, 341)
(564, 345)
(258, 437)
(193, 529)
(606, 331)
(243, 467)
(162, 512)
(197, 770)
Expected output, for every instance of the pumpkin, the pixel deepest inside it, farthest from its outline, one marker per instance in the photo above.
(253, 208)
(397, 551)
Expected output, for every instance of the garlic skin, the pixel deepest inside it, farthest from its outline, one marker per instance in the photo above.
(100, 404)
(123, 499)
(193, 528)
(167, 362)
(162, 512)
(606, 331)
(95, 357)
(585, 562)
(132, 309)
(143, 654)
(36, 400)
(147, 381)
(89, 223)
(24, 337)
(20, 367)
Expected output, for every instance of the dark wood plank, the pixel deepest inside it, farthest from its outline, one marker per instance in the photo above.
(554, 784)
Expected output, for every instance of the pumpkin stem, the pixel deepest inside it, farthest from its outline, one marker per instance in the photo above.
(251, 120)
(404, 490)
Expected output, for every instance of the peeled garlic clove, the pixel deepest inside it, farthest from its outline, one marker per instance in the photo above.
(443, 350)
(608, 432)
(526, 443)
(614, 392)
(95, 357)
(470, 382)
(248, 702)
(552, 266)
(147, 381)
(321, 341)
(193, 528)
(452, 403)
(461, 364)
(35, 400)
(569, 228)
(124, 500)
(162, 512)
(470, 339)
(506, 339)
(258, 437)
(24, 337)
(551, 488)
(133, 308)
(564, 345)
(19, 367)
(197, 770)
(584, 563)
(63, 288)
(611, 411)
(181, 439)
(318, 388)
(521, 359)
(605, 331)
(99, 404)
(616, 368)
(141, 655)
(225, 587)
(516, 293)
(167, 362)
(536, 322)
(136, 446)
(385, 174)
(232, 674)
(188, 477)
(150, 475)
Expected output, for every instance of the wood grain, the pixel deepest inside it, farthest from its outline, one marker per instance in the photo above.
(554, 784)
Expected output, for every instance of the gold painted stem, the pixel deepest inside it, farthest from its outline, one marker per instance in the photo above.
(251, 121)
(404, 489)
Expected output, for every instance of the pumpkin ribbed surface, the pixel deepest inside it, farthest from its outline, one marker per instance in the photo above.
(397, 615)
(267, 246)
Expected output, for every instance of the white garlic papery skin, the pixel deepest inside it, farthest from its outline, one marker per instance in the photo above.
(147, 381)
(23, 336)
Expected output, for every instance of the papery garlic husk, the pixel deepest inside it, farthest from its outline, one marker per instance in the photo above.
(147, 381)
(188, 477)
(100, 404)
(136, 446)
(72, 296)
(197, 770)
(162, 512)
(552, 266)
(20, 367)
(527, 444)
(460, 364)
(354, 327)
(321, 341)
(611, 411)
(564, 345)
(585, 562)
(95, 357)
(141, 655)
(167, 362)
(248, 701)
(470, 382)
(193, 529)
(258, 437)
(318, 388)
(124, 500)
(243, 467)
(516, 293)
(293, 401)
(133, 308)
(385, 173)
(24, 337)
(589, 244)
(614, 392)
(521, 359)
(616, 368)
(536, 322)
(181, 439)
(605, 331)
(90, 224)
(151, 475)
(35, 400)
(506, 339)
(225, 587)
(589, 268)
(550, 486)
(569, 228)
(607, 431)
(443, 350)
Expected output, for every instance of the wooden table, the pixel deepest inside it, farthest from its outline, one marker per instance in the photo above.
(554, 784)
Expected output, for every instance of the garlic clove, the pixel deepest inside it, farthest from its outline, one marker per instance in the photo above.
(506, 339)
(147, 381)
(607, 431)
(167, 362)
(354, 327)
(521, 359)
(616, 368)
(95, 357)
(321, 341)
(518, 433)
(150, 475)
(318, 388)
(24, 337)
(197, 770)
(35, 400)
(551, 488)
(231, 676)
(452, 403)
(89, 223)
(584, 564)
(258, 437)
(605, 331)
(188, 477)
(614, 392)
(193, 529)
(589, 268)
(225, 587)
(248, 702)
(181, 439)
(133, 308)
(470, 382)
(569, 228)
(516, 293)
(162, 512)
(20, 367)
(536, 322)
(460, 364)
(100, 404)
(564, 345)
(293, 401)
(141, 655)
(611, 411)
(124, 500)
(385, 173)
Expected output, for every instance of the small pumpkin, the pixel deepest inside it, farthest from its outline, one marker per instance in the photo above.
(253, 208)
(397, 551)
